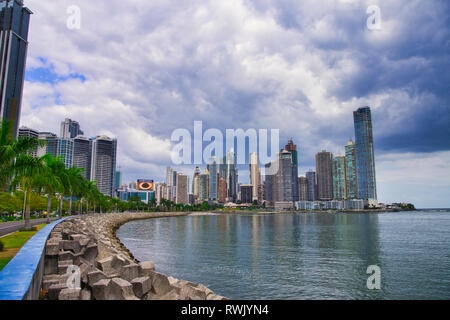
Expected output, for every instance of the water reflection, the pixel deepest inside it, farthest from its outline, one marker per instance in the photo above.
(266, 256)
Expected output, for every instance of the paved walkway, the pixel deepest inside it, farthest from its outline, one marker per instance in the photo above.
(9, 227)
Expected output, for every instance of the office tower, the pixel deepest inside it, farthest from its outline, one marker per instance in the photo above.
(117, 180)
(285, 185)
(351, 180)
(213, 176)
(25, 132)
(292, 148)
(14, 22)
(324, 175)
(247, 193)
(160, 192)
(171, 182)
(65, 151)
(103, 163)
(70, 129)
(82, 157)
(222, 190)
(228, 171)
(339, 186)
(270, 183)
(365, 158)
(255, 176)
(203, 186)
(312, 185)
(197, 172)
(303, 188)
(51, 146)
(182, 189)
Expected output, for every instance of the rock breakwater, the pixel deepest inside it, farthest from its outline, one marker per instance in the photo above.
(84, 260)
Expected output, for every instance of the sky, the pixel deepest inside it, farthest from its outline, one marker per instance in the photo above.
(139, 69)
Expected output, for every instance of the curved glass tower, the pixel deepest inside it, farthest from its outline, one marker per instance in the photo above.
(365, 158)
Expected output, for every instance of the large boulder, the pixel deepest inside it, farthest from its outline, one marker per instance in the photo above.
(141, 286)
(120, 289)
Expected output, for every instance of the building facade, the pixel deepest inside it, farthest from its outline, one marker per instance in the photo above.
(25, 132)
(339, 185)
(324, 175)
(312, 185)
(70, 129)
(103, 163)
(351, 180)
(14, 23)
(246, 193)
(182, 189)
(82, 156)
(365, 157)
(303, 188)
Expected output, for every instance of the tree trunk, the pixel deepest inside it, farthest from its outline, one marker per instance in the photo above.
(87, 206)
(27, 213)
(70, 204)
(49, 206)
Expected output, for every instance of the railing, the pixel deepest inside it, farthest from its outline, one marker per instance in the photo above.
(22, 277)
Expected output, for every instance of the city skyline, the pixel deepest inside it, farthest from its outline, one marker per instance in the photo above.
(305, 83)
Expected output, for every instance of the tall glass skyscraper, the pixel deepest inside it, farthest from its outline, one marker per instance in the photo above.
(365, 158)
(351, 180)
(103, 165)
(339, 186)
(213, 177)
(70, 129)
(14, 22)
(324, 174)
(312, 185)
(292, 148)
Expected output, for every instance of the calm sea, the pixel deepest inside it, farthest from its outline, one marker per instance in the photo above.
(301, 256)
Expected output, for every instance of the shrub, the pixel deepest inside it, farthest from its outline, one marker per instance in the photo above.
(1, 245)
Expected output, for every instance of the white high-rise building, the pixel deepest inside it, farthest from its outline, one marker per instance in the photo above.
(103, 164)
(255, 176)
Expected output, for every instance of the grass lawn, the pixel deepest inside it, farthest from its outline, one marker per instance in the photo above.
(14, 242)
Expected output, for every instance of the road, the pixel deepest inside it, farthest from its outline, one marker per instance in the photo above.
(8, 227)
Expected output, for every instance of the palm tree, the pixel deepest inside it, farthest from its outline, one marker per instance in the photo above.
(25, 170)
(52, 180)
(89, 192)
(75, 182)
(10, 148)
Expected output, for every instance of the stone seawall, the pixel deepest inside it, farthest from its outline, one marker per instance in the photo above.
(87, 248)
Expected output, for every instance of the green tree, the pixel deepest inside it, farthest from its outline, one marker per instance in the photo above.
(25, 170)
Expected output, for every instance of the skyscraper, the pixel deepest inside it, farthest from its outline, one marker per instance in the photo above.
(70, 129)
(365, 158)
(324, 175)
(303, 188)
(182, 189)
(103, 163)
(51, 146)
(203, 186)
(246, 193)
(14, 23)
(255, 175)
(213, 176)
(351, 180)
(312, 185)
(228, 171)
(82, 156)
(284, 177)
(65, 151)
(339, 186)
(292, 148)
(222, 190)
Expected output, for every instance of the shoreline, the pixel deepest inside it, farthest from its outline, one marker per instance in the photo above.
(107, 268)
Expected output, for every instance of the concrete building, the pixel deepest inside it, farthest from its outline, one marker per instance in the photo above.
(312, 185)
(222, 191)
(25, 132)
(82, 156)
(70, 129)
(51, 146)
(255, 176)
(247, 193)
(292, 148)
(303, 188)
(213, 178)
(103, 163)
(14, 23)
(182, 189)
(324, 175)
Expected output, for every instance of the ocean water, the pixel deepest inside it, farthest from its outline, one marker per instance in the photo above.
(301, 256)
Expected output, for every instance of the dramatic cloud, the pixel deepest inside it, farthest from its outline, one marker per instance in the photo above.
(139, 69)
